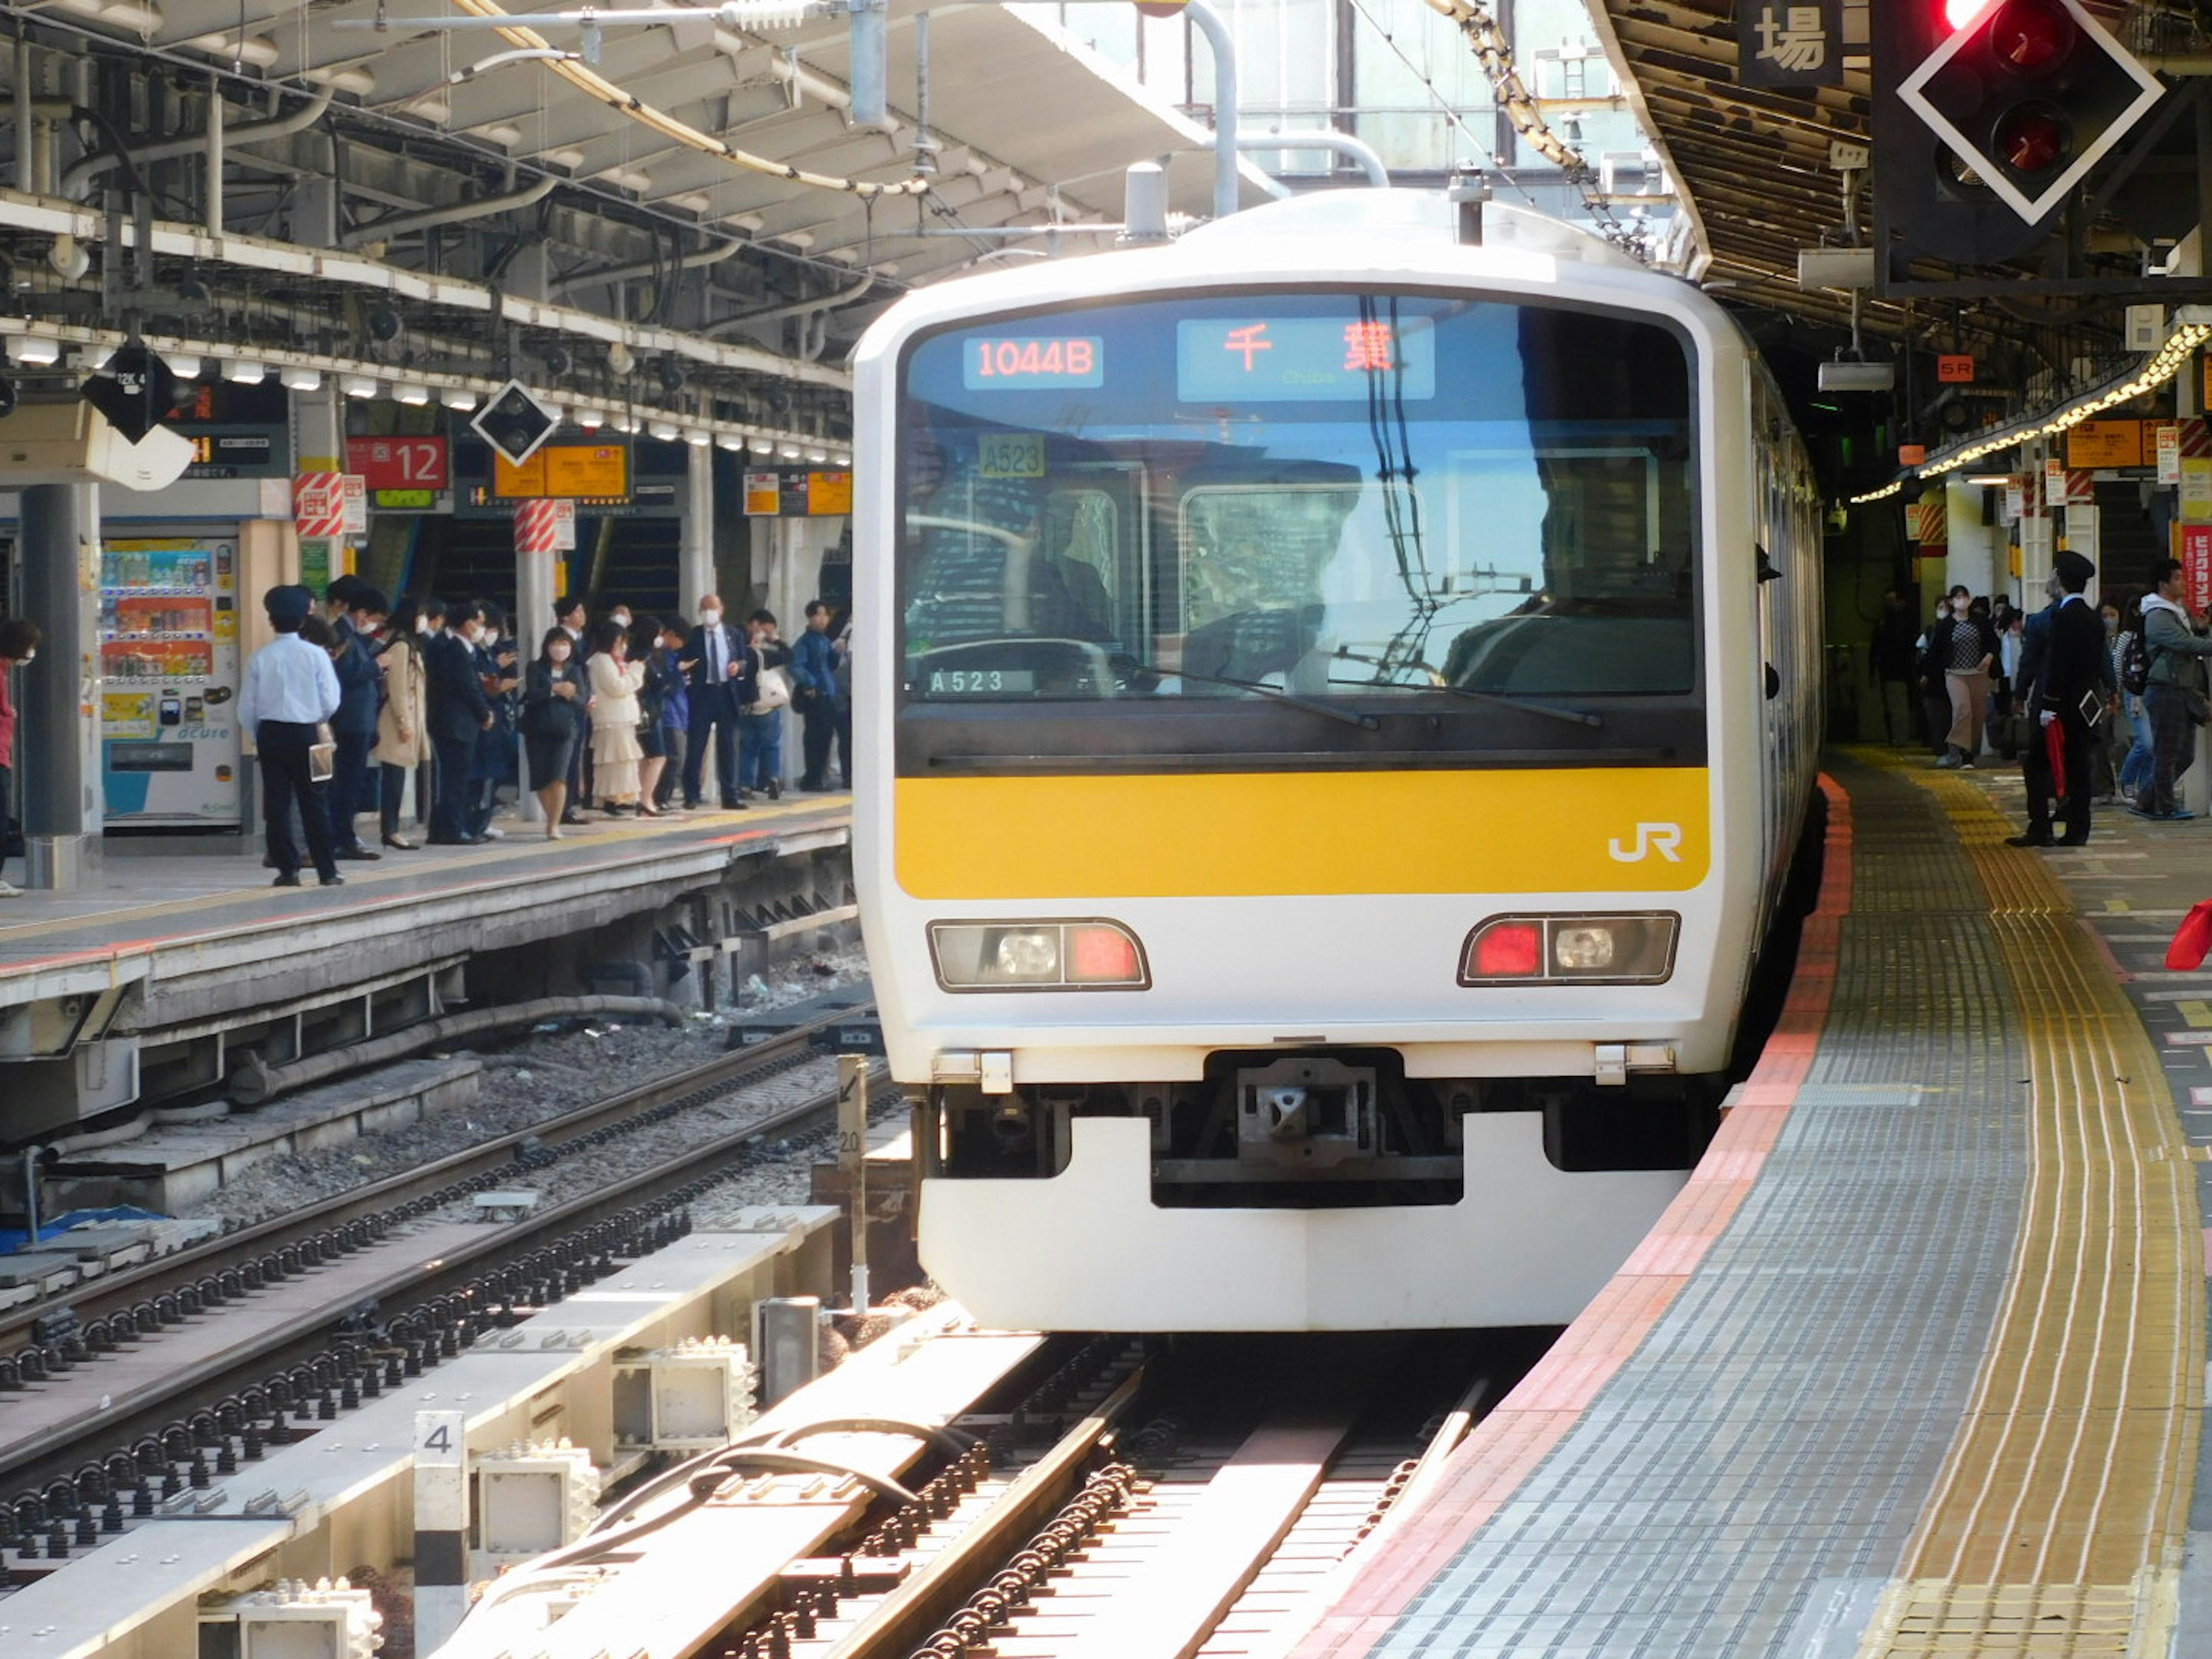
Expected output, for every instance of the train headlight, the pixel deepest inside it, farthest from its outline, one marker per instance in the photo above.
(1582, 950)
(1085, 954)
(1603, 950)
(1028, 954)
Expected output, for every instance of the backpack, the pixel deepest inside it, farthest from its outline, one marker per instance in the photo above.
(2135, 663)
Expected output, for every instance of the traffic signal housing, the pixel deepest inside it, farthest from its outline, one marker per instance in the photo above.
(1986, 116)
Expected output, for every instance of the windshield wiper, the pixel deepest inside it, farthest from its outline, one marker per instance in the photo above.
(1312, 705)
(1495, 699)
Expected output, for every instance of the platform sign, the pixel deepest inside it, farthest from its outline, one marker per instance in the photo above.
(1954, 368)
(2104, 443)
(400, 464)
(829, 494)
(2169, 453)
(564, 526)
(763, 494)
(597, 472)
(2197, 489)
(2054, 479)
(353, 503)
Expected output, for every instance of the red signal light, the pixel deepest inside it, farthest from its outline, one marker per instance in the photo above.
(1958, 14)
(2031, 139)
(2031, 37)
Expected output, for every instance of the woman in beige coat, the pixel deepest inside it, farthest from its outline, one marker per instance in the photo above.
(616, 751)
(402, 744)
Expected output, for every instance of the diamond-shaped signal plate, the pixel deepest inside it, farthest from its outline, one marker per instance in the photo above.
(2148, 89)
(515, 424)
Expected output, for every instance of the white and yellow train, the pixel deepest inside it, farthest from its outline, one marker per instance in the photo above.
(1336, 705)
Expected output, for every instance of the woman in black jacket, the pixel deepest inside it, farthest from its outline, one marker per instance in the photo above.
(553, 699)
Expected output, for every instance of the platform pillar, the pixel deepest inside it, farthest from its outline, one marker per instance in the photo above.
(58, 746)
(694, 542)
(536, 584)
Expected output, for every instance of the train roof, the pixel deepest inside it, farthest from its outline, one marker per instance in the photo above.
(1417, 216)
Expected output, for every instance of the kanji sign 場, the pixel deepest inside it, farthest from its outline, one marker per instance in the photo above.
(1785, 45)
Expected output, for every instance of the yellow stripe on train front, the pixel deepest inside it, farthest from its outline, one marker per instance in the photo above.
(1642, 829)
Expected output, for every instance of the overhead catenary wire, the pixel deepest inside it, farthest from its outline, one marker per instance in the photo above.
(1495, 53)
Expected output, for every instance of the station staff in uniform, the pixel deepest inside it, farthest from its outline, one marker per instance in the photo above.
(289, 689)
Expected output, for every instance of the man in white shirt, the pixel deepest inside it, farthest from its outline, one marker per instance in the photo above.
(290, 689)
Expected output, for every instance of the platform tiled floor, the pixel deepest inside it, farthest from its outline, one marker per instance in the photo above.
(1811, 1453)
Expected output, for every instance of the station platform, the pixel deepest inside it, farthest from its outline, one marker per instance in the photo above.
(177, 944)
(1915, 1364)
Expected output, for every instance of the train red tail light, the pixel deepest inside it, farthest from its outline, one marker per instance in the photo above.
(1508, 949)
(1635, 949)
(1083, 954)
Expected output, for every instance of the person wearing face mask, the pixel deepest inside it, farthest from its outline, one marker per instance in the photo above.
(458, 713)
(500, 676)
(553, 722)
(402, 736)
(354, 726)
(571, 615)
(18, 648)
(720, 685)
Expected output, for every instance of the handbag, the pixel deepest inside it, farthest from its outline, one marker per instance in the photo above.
(775, 691)
(2198, 708)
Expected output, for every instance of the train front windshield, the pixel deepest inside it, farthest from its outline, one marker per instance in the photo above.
(1376, 501)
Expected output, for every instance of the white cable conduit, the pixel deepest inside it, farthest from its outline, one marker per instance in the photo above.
(401, 223)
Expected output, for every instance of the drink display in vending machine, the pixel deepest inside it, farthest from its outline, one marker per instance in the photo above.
(169, 650)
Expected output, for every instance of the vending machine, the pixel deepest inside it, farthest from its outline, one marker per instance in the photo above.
(169, 661)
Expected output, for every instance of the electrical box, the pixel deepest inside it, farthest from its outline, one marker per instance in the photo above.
(295, 1620)
(530, 1499)
(694, 1397)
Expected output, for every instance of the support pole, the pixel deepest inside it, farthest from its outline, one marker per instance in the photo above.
(853, 1154)
(695, 538)
(1224, 104)
(61, 774)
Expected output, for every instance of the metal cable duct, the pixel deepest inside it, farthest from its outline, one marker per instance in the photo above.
(253, 1081)
(283, 126)
(399, 224)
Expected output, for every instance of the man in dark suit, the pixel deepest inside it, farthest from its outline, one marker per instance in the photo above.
(2071, 675)
(719, 668)
(456, 713)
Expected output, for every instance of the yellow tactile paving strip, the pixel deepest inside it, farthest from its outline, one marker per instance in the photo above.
(2056, 1527)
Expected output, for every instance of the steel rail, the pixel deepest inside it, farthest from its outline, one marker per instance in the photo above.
(165, 1275)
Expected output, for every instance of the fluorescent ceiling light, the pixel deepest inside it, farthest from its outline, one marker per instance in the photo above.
(590, 419)
(38, 350)
(698, 438)
(298, 378)
(570, 157)
(185, 365)
(667, 431)
(360, 386)
(733, 440)
(457, 398)
(246, 371)
(505, 136)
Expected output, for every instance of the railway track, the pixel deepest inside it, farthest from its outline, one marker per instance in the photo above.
(1195, 1510)
(141, 1301)
(81, 1478)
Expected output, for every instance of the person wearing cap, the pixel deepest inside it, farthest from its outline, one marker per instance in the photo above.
(289, 689)
(2072, 684)
(353, 728)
